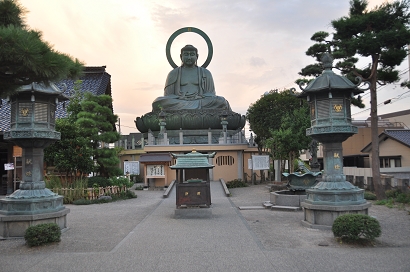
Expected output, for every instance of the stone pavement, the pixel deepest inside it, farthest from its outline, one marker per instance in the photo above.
(142, 235)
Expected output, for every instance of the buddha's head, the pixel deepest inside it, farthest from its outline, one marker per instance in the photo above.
(189, 55)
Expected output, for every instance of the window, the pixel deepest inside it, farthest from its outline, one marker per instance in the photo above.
(390, 162)
(225, 160)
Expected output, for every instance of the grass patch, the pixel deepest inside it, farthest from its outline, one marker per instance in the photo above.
(395, 198)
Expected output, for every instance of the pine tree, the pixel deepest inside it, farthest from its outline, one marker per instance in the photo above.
(24, 56)
(98, 124)
(382, 35)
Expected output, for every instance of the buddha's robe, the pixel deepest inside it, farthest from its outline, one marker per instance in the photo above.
(203, 98)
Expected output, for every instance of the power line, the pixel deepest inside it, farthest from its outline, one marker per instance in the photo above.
(389, 101)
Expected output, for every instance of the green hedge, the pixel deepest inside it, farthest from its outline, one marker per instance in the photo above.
(236, 183)
(353, 227)
(42, 234)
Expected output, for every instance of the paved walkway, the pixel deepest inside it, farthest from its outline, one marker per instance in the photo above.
(142, 235)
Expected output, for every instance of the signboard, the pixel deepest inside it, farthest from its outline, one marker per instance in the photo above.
(9, 166)
(260, 162)
(132, 167)
(17, 151)
(155, 170)
(250, 164)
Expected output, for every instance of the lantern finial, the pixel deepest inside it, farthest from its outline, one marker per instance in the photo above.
(327, 61)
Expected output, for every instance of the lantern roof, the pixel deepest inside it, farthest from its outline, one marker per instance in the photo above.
(48, 89)
(192, 160)
(329, 81)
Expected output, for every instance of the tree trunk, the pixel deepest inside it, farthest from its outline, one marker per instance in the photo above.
(380, 194)
(291, 166)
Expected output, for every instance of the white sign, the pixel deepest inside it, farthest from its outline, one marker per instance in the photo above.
(260, 162)
(132, 167)
(9, 166)
(155, 170)
(250, 164)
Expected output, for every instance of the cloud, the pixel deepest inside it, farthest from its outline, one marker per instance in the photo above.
(257, 62)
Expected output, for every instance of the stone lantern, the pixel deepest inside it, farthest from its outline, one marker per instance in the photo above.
(162, 135)
(224, 123)
(329, 98)
(32, 127)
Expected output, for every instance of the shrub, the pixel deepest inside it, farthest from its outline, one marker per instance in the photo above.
(136, 178)
(403, 198)
(369, 195)
(52, 182)
(123, 195)
(353, 227)
(236, 183)
(100, 181)
(120, 181)
(392, 193)
(42, 234)
(381, 202)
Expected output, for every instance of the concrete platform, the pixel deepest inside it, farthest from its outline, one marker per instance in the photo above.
(251, 208)
(285, 208)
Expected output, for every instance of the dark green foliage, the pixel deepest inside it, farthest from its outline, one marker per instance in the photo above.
(265, 115)
(394, 197)
(290, 137)
(123, 196)
(98, 125)
(392, 193)
(403, 197)
(105, 182)
(137, 178)
(128, 194)
(236, 183)
(42, 234)
(352, 227)
(99, 181)
(120, 181)
(369, 195)
(24, 56)
(73, 153)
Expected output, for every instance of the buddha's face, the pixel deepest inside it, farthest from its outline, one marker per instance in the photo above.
(189, 58)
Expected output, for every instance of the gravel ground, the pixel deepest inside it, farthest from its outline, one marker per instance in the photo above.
(95, 228)
(91, 227)
(283, 228)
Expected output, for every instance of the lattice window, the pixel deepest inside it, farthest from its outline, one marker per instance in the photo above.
(40, 112)
(322, 108)
(225, 160)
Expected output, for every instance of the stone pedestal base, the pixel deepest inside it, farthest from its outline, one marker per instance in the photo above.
(15, 226)
(17, 214)
(287, 198)
(323, 216)
(188, 213)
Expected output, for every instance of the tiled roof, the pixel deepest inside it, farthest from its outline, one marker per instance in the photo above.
(192, 160)
(155, 157)
(400, 135)
(95, 80)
